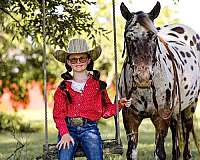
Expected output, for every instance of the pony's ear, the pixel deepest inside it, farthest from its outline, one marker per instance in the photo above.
(153, 14)
(125, 12)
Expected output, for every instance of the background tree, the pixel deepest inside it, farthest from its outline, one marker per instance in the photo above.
(21, 39)
(65, 18)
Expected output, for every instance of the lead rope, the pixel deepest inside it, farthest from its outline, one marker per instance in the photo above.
(116, 74)
(176, 86)
(176, 79)
(45, 78)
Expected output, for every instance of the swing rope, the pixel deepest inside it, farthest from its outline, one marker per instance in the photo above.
(116, 73)
(45, 76)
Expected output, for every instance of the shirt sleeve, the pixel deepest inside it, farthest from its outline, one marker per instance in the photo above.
(59, 111)
(109, 109)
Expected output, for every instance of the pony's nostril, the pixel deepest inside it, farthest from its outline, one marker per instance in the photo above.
(136, 76)
(150, 77)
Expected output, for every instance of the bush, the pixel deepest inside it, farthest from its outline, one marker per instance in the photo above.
(10, 122)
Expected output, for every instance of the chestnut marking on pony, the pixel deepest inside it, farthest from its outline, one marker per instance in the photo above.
(159, 64)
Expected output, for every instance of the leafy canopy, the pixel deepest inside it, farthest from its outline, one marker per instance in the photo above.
(21, 27)
(64, 19)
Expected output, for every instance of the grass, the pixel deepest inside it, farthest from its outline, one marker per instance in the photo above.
(34, 141)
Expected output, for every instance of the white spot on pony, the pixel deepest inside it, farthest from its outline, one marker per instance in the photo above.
(156, 157)
(134, 153)
(174, 72)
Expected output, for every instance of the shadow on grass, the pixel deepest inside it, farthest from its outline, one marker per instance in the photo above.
(34, 142)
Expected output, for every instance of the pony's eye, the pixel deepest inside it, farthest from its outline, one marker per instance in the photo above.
(128, 39)
(136, 39)
(150, 34)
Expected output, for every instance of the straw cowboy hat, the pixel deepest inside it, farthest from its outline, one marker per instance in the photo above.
(77, 46)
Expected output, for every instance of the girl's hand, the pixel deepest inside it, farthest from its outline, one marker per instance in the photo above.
(125, 102)
(66, 139)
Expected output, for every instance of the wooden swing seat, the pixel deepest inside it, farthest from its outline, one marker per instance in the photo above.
(110, 146)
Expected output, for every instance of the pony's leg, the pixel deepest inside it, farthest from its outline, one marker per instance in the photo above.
(187, 120)
(131, 123)
(161, 126)
(175, 147)
(188, 124)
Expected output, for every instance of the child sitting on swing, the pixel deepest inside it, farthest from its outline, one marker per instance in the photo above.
(80, 101)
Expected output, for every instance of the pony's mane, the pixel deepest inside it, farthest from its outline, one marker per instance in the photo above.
(146, 22)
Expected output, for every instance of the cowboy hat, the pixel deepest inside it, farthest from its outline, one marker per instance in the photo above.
(77, 46)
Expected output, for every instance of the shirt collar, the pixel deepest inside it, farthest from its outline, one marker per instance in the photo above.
(89, 80)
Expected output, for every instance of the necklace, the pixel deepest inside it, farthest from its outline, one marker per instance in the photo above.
(81, 80)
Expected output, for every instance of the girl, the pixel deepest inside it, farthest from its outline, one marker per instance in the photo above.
(80, 101)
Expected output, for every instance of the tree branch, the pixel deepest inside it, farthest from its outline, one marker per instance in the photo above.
(7, 12)
(18, 142)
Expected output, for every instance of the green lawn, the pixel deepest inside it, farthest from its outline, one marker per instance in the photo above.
(34, 141)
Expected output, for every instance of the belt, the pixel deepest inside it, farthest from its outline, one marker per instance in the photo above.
(78, 121)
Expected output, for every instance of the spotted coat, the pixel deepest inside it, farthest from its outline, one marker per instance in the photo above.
(185, 46)
(161, 73)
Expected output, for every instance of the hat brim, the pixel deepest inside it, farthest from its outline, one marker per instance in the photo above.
(62, 55)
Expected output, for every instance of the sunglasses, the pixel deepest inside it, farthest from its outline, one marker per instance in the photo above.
(81, 59)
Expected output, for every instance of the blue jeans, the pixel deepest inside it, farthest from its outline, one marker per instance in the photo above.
(88, 136)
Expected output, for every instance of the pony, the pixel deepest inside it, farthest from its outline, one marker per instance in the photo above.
(161, 72)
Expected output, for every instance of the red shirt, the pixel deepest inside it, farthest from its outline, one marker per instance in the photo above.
(87, 104)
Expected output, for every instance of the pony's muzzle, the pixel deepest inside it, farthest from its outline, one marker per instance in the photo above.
(142, 76)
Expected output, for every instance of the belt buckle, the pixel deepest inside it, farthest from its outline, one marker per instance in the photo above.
(76, 121)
